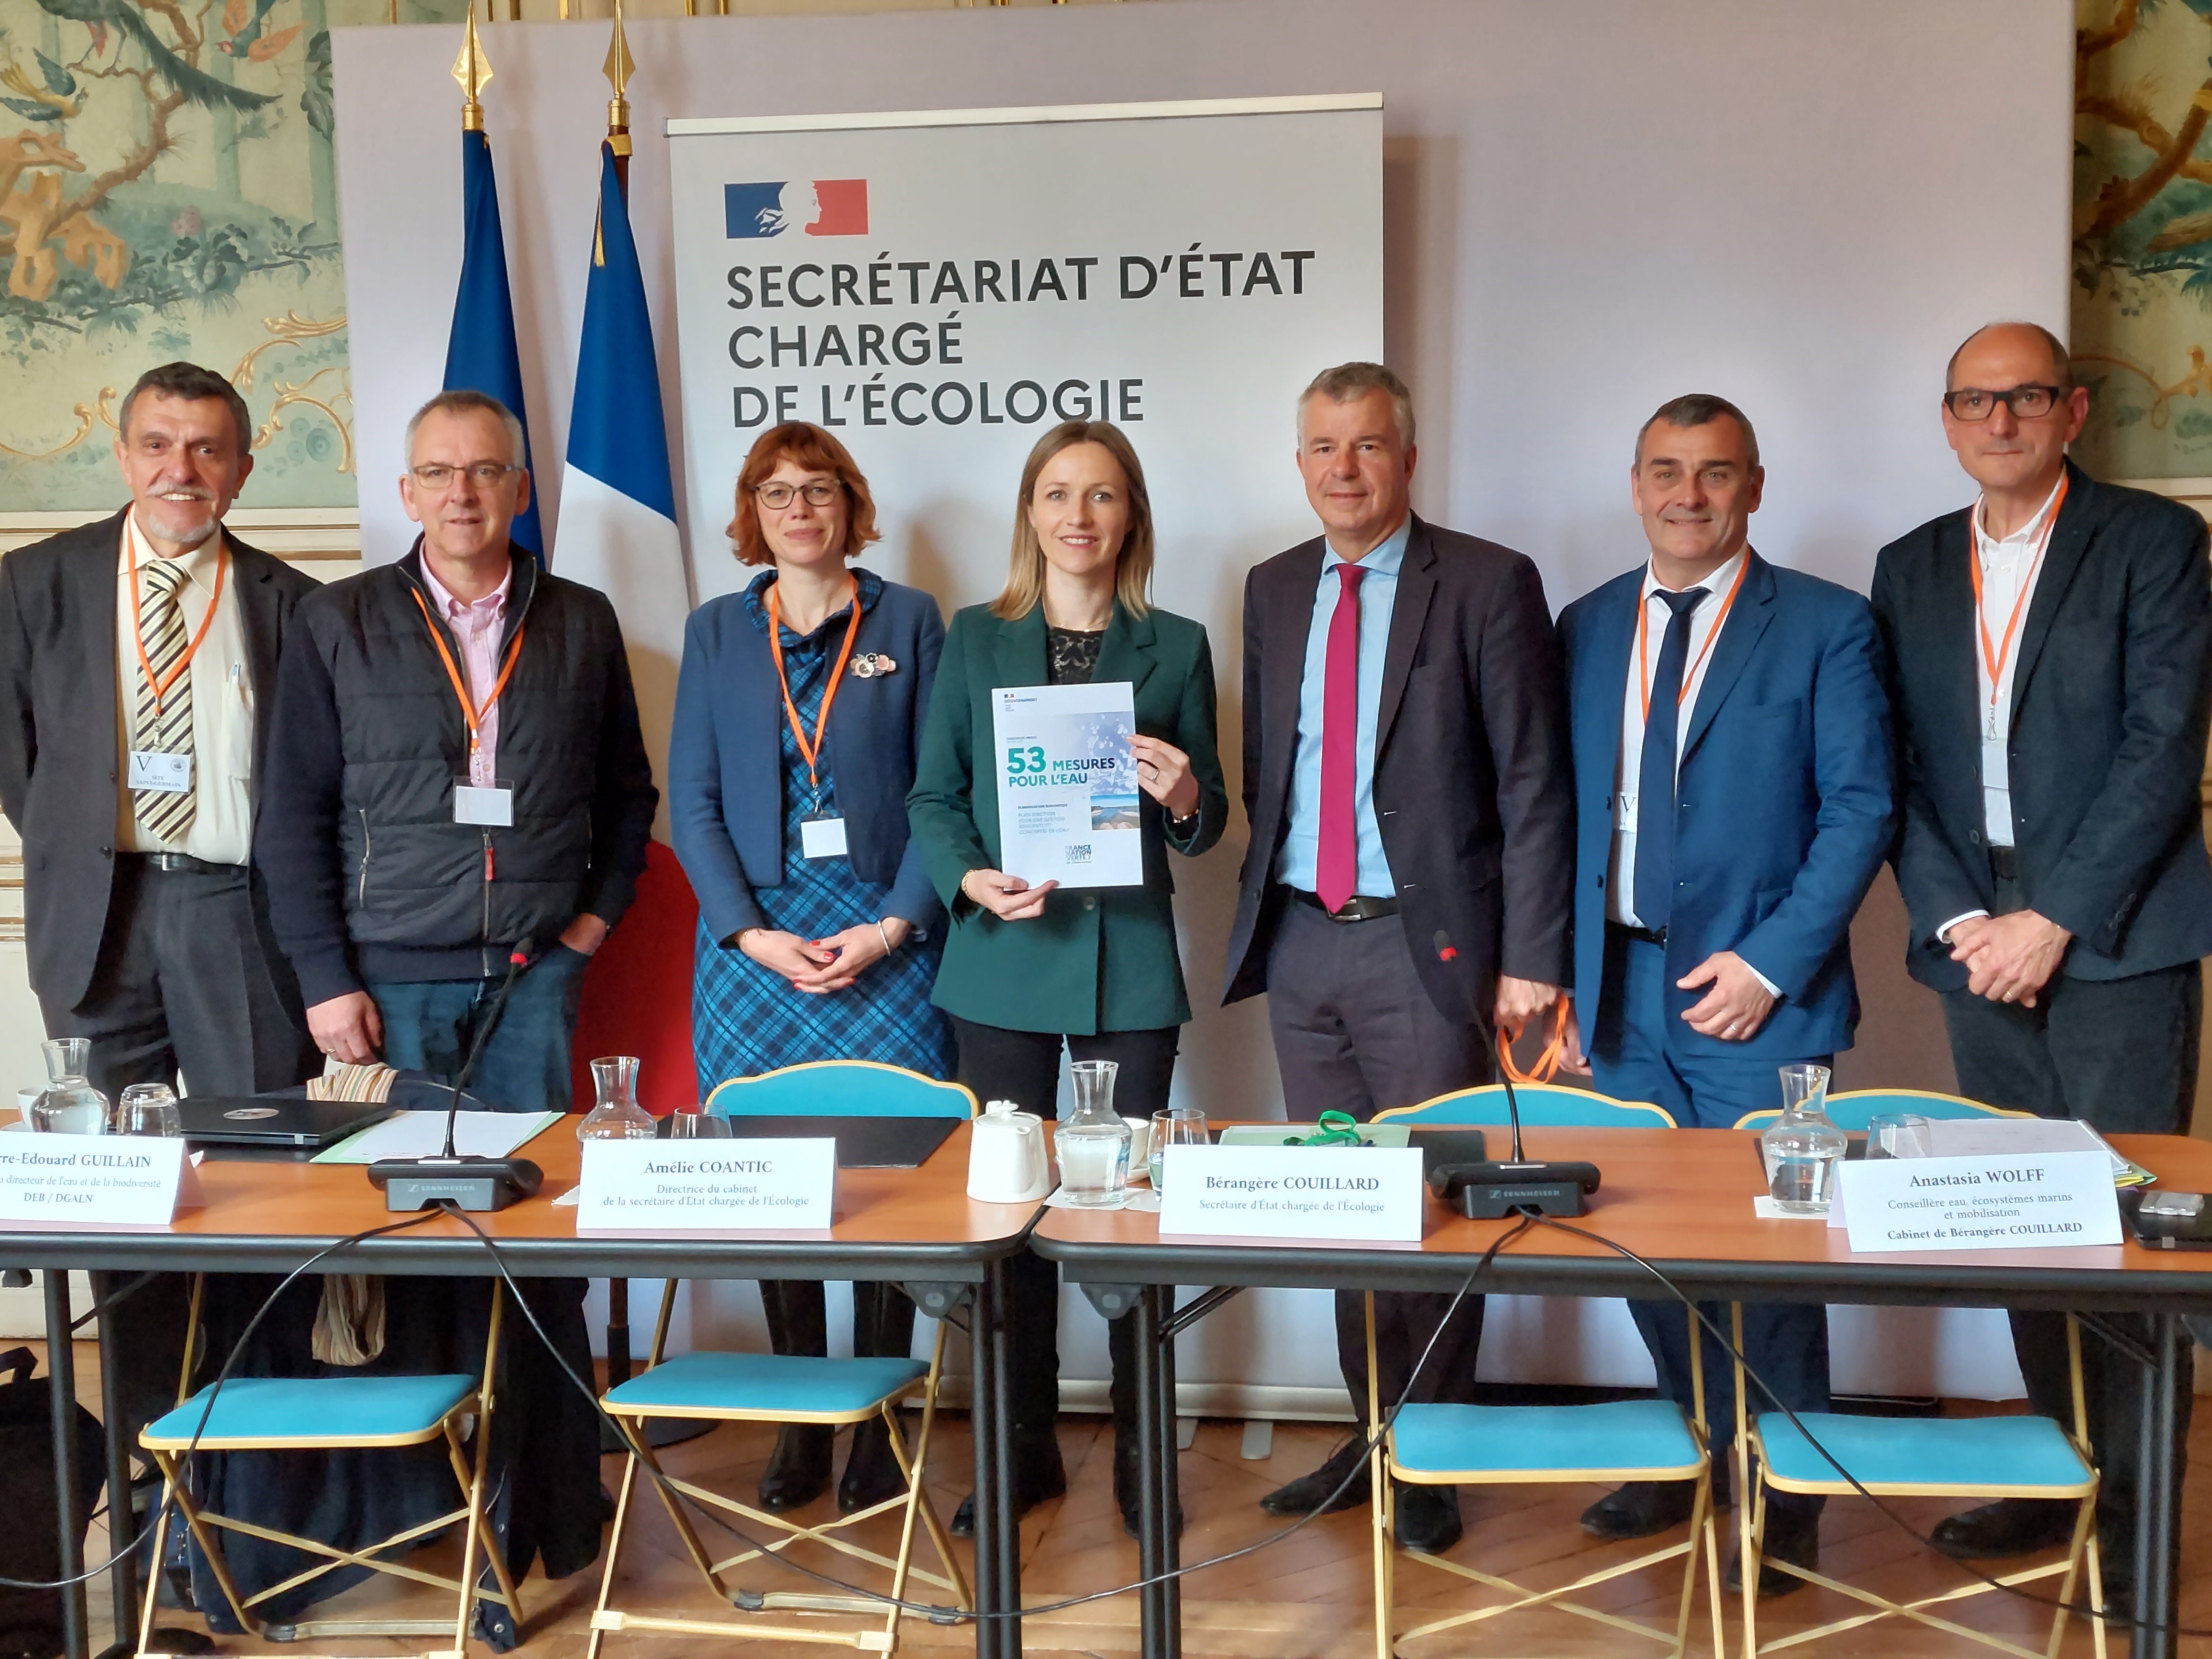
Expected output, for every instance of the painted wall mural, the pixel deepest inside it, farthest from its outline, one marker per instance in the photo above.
(2143, 236)
(168, 189)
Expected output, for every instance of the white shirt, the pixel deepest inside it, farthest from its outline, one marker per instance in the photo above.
(477, 624)
(221, 830)
(1705, 624)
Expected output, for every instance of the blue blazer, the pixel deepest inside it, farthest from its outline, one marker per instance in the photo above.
(725, 758)
(1783, 810)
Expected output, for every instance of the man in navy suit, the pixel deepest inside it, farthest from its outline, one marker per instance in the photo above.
(1734, 798)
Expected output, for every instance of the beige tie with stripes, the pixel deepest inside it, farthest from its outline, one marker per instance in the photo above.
(163, 726)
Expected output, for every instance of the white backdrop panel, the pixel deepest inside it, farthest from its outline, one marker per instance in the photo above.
(1588, 207)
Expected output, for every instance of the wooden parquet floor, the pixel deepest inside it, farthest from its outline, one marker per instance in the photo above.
(1305, 1597)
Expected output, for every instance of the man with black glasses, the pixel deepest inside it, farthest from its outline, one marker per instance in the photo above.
(2051, 655)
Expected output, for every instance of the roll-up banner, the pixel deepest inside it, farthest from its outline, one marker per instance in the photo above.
(941, 287)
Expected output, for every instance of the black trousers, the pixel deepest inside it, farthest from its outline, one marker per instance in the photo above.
(2121, 1055)
(1024, 1067)
(1355, 1031)
(187, 982)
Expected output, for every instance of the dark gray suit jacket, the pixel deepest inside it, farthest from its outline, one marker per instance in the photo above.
(58, 734)
(2112, 698)
(1473, 792)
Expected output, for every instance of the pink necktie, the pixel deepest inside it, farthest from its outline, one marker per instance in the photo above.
(1336, 865)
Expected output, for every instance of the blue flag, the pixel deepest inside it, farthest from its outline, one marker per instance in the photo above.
(617, 508)
(481, 353)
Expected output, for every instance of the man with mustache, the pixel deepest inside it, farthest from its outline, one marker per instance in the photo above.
(1733, 802)
(138, 654)
(138, 657)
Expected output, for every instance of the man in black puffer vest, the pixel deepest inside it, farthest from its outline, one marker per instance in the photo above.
(455, 767)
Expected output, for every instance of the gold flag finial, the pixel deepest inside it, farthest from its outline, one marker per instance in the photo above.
(619, 68)
(472, 72)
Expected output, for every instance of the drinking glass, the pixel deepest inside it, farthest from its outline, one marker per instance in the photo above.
(696, 1125)
(148, 1108)
(1897, 1134)
(1179, 1126)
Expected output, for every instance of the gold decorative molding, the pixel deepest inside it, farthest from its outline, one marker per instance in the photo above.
(303, 535)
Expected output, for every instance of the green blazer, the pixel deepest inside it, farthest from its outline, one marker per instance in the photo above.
(1095, 961)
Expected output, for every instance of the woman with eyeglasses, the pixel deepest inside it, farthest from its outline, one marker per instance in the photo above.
(1031, 969)
(799, 709)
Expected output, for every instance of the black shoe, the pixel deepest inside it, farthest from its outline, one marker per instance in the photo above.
(1129, 1487)
(2011, 1526)
(1794, 1538)
(1039, 1477)
(1427, 1517)
(1640, 1508)
(871, 1473)
(1327, 1489)
(798, 1471)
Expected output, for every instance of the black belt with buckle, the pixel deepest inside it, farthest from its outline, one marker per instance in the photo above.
(183, 863)
(1357, 908)
(1641, 935)
(2004, 863)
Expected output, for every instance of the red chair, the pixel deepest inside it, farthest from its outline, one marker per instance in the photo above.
(637, 991)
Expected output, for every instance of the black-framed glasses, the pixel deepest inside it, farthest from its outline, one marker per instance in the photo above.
(777, 496)
(482, 474)
(2027, 402)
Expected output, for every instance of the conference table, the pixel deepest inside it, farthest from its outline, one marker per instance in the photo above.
(914, 1227)
(1682, 1199)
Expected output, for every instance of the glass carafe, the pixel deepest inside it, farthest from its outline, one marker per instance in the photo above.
(1801, 1147)
(617, 1116)
(1093, 1143)
(70, 1105)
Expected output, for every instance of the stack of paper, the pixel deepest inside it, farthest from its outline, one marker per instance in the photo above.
(1968, 1137)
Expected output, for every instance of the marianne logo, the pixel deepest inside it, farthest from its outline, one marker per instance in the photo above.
(820, 207)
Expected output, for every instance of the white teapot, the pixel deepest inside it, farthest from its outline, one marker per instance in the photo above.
(1006, 1159)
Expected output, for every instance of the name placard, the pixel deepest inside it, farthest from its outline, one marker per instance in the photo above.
(2035, 1201)
(95, 1180)
(708, 1186)
(1370, 1194)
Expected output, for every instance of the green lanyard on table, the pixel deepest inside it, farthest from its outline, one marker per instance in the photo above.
(1334, 1129)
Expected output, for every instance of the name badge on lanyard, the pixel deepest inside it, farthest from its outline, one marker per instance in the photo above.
(821, 835)
(151, 769)
(167, 774)
(1996, 763)
(491, 806)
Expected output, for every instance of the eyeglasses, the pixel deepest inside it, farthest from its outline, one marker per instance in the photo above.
(777, 496)
(482, 474)
(2027, 402)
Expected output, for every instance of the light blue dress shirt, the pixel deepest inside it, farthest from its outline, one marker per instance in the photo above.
(1378, 593)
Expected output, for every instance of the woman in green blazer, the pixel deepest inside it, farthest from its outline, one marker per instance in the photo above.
(1029, 970)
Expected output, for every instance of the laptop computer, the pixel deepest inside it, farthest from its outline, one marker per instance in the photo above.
(863, 1143)
(273, 1126)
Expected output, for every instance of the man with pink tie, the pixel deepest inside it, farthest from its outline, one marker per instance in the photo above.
(1408, 880)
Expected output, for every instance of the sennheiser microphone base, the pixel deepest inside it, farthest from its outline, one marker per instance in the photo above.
(475, 1184)
(1492, 1203)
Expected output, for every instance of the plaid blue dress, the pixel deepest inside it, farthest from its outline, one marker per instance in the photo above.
(745, 1019)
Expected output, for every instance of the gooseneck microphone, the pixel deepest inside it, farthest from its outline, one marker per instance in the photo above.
(1493, 1188)
(465, 1181)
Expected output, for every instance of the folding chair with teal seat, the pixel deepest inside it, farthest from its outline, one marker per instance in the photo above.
(331, 1413)
(1851, 1111)
(1623, 1440)
(782, 1389)
(839, 1088)
(1978, 1457)
(1542, 1105)
(1457, 1445)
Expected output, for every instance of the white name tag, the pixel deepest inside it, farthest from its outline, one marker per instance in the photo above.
(1367, 1194)
(710, 1186)
(95, 1180)
(474, 804)
(171, 775)
(1623, 814)
(2031, 1201)
(1996, 764)
(822, 838)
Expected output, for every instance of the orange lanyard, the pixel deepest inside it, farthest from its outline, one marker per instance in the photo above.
(473, 716)
(1995, 657)
(138, 627)
(811, 752)
(1689, 674)
(1548, 1063)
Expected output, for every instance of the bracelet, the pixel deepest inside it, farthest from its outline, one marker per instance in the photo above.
(884, 932)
